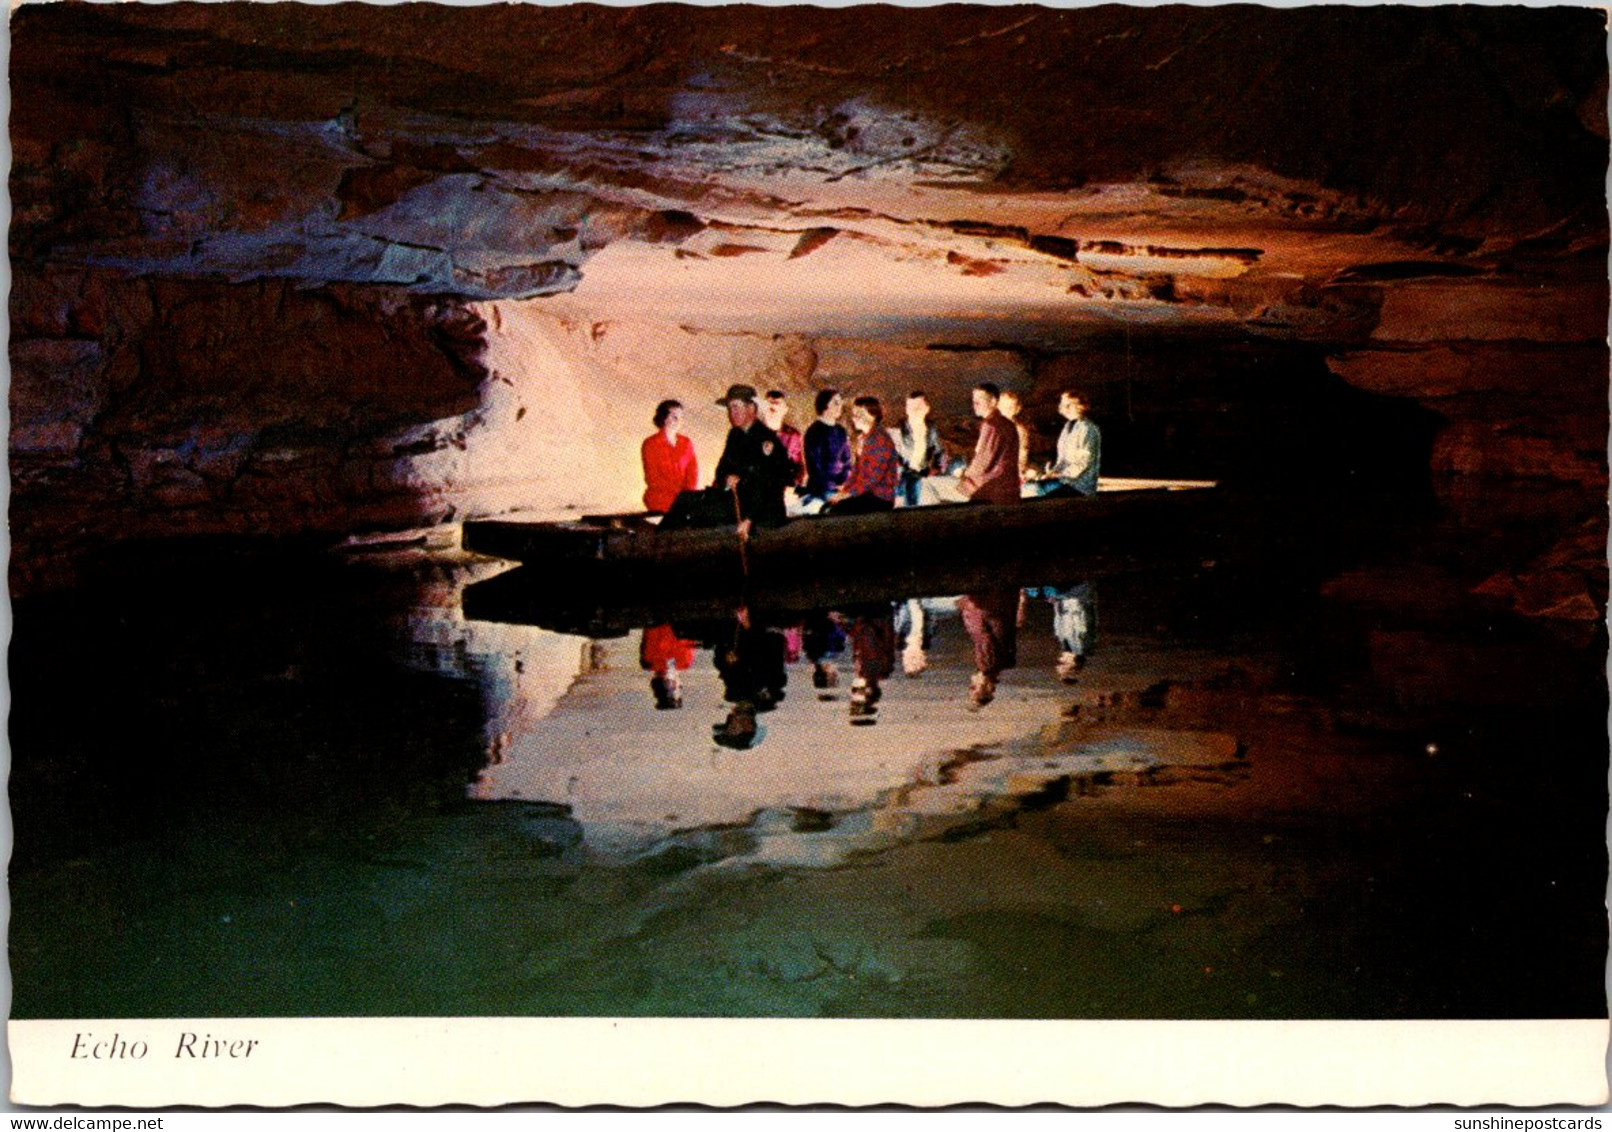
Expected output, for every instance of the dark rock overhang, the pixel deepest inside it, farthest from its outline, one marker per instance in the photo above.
(1176, 167)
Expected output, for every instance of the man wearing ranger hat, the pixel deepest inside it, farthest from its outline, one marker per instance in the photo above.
(754, 463)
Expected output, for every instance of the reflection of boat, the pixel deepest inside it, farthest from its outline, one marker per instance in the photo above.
(600, 607)
(630, 545)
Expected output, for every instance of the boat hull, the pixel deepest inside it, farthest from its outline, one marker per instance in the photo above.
(574, 565)
(885, 535)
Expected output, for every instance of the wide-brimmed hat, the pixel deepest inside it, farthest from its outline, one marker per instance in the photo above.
(738, 393)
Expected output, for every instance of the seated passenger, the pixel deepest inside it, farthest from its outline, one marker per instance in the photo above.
(992, 476)
(828, 453)
(774, 408)
(670, 466)
(750, 477)
(919, 448)
(1080, 449)
(872, 485)
(1011, 405)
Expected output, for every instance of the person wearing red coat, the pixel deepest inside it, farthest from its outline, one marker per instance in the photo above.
(993, 475)
(670, 466)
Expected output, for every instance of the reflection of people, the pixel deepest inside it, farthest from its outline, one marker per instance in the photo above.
(993, 475)
(750, 660)
(774, 408)
(918, 447)
(1012, 407)
(873, 479)
(662, 652)
(1076, 468)
(828, 452)
(670, 466)
(914, 631)
(1074, 623)
(989, 617)
(739, 730)
(915, 621)
(823, 639)
(873, 652)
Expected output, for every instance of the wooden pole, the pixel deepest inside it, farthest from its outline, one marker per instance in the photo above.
(738, 517)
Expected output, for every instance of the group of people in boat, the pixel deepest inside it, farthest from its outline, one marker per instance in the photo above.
(770, 471)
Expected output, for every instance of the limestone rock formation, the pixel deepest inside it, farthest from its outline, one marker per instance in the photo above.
(285, 268)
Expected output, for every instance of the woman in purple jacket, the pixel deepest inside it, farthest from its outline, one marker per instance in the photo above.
(828, 452)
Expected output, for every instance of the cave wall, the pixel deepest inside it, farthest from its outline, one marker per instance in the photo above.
(287, 269)
(151, 408)
(570, 400)
(1519, 371)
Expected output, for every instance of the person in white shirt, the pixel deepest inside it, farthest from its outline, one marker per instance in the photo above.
(1080, 452)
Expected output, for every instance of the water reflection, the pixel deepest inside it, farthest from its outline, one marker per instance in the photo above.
(424, 813)
(1074, 623)
(750, 660)
(991, 618)
(667, 656)
(967, 732)
(873, 656)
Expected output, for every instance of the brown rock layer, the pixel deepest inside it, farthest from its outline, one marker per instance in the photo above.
(253, 245)
(145, 408)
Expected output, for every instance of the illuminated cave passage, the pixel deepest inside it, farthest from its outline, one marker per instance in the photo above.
(387, 280)
(294, 299)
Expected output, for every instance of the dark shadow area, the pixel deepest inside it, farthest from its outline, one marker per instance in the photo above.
(221, 683)
(1264, 418)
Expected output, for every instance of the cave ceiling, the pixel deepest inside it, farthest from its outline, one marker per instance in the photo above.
(1020, 174)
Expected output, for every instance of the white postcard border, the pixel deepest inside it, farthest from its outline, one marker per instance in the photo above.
(730, 1062)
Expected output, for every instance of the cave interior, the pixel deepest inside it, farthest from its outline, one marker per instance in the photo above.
(364, 271)
(292, 279)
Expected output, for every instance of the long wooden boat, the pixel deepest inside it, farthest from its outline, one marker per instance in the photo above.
(623, 546)
(528, 595)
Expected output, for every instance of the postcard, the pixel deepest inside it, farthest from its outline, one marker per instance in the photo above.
(867, 555)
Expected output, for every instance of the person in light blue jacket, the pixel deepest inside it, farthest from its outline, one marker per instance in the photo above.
(1080, 452)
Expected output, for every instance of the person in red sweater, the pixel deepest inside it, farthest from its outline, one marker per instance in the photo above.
(877, 471)
(670, 466)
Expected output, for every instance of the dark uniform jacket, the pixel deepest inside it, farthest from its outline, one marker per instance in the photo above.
(760, 460)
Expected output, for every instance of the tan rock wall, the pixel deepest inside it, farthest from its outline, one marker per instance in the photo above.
(154, 409)
(570, 401)
(146, 409)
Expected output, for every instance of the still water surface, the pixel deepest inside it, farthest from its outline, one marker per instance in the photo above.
(316, 788)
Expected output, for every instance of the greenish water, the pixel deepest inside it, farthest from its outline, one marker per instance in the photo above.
(313, 789)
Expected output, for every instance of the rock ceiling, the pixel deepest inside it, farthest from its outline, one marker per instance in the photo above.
(1016, 173)
(283, 268)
